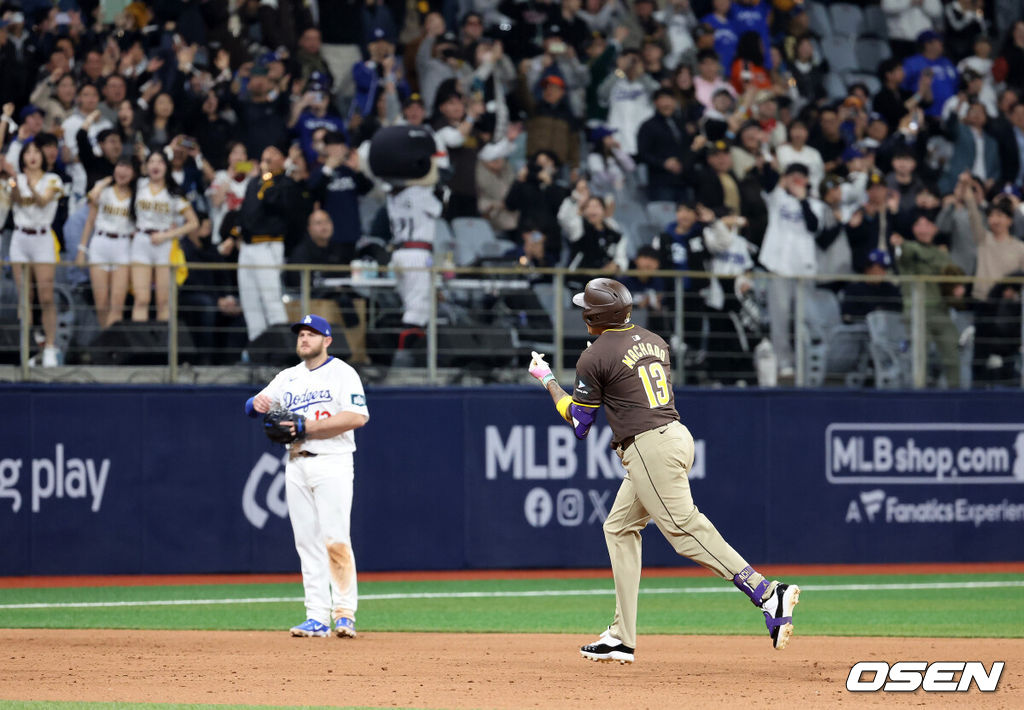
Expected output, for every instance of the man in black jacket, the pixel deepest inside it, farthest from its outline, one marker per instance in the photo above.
(320, 247)
(663, 144)
(1004, 129)
(264, 120)
(100, 166)
(264, 222)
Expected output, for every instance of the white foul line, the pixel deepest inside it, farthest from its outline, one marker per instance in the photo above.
(524, 593)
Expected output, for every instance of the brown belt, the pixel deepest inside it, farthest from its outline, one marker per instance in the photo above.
(32, 231)
(627, 442)
(302, 454)
(264, 238)
(111, 235)
(416, 245)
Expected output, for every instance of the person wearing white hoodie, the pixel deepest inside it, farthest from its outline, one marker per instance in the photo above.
(907, 19)
(789, 250)
(627, 94)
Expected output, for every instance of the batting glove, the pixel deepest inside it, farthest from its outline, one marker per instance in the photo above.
(540, 369)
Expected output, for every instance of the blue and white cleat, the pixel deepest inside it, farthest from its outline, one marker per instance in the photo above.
(345, 628)
(310, 628)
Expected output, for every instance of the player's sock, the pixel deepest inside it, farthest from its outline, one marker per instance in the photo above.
(753, 584)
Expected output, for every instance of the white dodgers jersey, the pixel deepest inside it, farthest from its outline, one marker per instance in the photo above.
(320, 393)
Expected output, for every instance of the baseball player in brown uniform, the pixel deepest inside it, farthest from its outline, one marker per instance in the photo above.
(627, 369)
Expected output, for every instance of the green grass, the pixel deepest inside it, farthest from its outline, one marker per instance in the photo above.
(958, 612)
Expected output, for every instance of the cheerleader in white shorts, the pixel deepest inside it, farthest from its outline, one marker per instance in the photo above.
(159, 206)
(34, 197)
(107, 241)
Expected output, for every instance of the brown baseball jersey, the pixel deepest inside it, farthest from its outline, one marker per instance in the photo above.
(628, 370)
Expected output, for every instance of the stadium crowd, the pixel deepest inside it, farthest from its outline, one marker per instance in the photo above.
(729, 136)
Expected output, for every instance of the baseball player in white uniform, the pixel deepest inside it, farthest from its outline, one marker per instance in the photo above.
(413, 213)
(107, 241)
(319, 474)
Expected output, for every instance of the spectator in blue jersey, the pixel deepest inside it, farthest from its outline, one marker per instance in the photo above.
(381, 68)
(726, 36)
(337, 186)
(313, 111)
(935, 69)
(754, 16)
(675, 245)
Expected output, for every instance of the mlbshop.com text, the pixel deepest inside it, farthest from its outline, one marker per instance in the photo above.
(938, 677)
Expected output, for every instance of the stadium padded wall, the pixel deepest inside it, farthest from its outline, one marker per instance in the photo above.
(174, 480)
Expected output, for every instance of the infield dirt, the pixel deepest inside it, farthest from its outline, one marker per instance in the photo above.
(493, 671)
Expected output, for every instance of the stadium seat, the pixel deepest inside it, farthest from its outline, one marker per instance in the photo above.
(835, 86)
(820, 23)
(869, 80)
(833, 347)
(964, 321)
(870, 53)
(645, 234)
(472, 234)
(874, 23)
(629, 214)
(842, 55)
(847, 19)
(890, 349)
(368, 207)
(661, 213)
(545, 293)
(444, 240)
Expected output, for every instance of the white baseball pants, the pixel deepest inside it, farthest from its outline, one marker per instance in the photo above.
(414, 287)
(259, 290)
(319, 494)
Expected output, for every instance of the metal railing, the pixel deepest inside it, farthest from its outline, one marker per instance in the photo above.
(483, 323)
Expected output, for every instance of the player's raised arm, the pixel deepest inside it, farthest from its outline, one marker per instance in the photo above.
(581, 416)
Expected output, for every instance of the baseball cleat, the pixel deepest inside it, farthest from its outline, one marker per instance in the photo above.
(778, 613)
(346, 628)
(310, 628)
(606, 649)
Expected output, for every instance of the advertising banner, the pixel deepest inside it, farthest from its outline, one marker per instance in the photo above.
(164, 480)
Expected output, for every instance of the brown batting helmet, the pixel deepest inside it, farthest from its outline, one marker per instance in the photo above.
(606, 303)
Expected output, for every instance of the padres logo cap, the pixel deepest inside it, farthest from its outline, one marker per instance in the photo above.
(313, 322)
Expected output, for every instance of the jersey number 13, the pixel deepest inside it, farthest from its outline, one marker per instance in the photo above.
(655, 383)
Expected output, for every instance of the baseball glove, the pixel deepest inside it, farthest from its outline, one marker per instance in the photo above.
(276, 426)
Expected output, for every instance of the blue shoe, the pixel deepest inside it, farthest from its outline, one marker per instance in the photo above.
(346, 628)
(311, 627)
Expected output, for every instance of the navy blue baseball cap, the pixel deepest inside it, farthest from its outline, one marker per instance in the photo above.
(852, 153)
(313, 322)
(880, 257)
